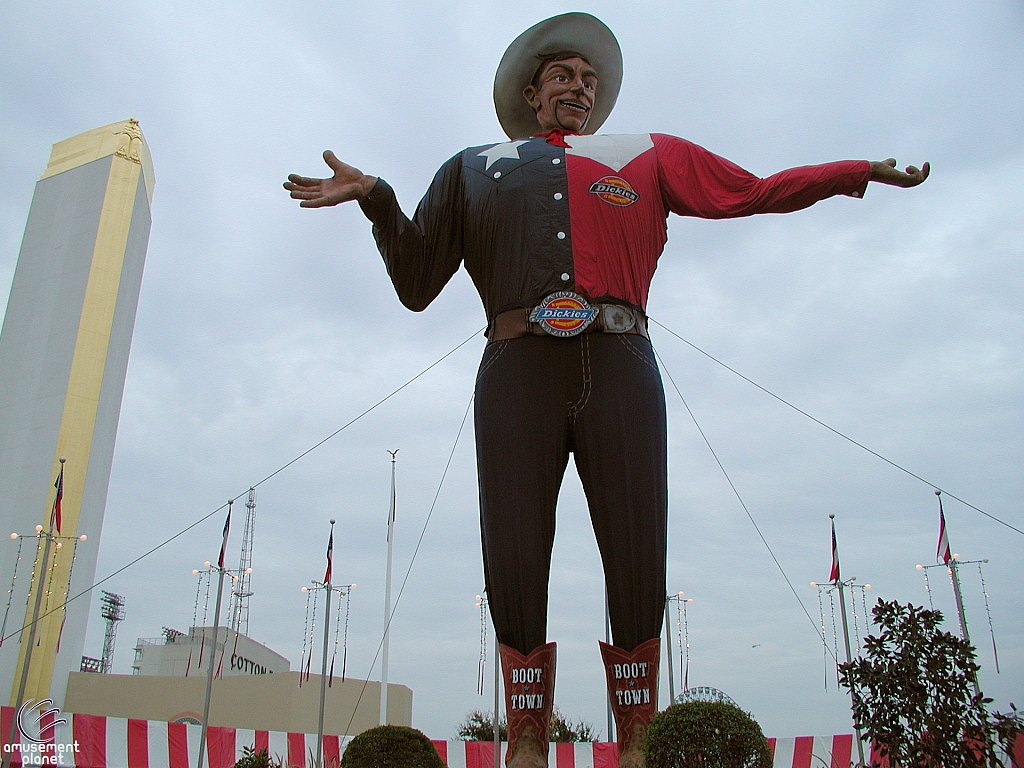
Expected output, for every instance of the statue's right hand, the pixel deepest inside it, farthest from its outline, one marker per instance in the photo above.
(348, 183)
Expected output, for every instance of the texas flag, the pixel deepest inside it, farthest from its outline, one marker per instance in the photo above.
(330, 557)
(55, 518)
(942, 551)
(834, 575)
(224, 542)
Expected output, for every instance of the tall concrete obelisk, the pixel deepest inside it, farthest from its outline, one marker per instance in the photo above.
(63, 358)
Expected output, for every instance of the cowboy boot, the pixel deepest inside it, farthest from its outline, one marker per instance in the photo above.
(633, 690)
(529, 697)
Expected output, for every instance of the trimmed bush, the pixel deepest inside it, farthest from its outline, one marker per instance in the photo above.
(702, 734)
(253, 759)
(391, 746)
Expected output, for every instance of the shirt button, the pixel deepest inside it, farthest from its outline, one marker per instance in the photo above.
(560, 235)
(856, 194)
(497, 174)
(556, 161)
(558, 195)
(565, 276)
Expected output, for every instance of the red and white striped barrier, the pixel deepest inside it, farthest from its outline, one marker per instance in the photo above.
(92, 741)
(799, 752)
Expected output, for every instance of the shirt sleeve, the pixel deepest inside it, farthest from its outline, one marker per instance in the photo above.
(421, 254)
(696, 182)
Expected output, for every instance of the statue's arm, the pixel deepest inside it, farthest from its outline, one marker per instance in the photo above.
(346, 184)
(886, 172)
(421, 254)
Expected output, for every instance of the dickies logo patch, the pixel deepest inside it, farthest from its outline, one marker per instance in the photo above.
(614, 191)
(564, 314)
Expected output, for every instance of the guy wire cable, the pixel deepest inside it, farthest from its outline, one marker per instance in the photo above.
(738, 497)
(277, 471)
(833, 429)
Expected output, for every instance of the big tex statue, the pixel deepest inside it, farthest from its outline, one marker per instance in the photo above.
(560, 230)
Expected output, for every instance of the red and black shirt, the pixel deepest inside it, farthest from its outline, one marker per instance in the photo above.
(529, 217)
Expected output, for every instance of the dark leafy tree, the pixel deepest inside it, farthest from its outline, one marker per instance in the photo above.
(563, 730)
(704, 734)
(391, 746)
(913, 694)
(479, 726)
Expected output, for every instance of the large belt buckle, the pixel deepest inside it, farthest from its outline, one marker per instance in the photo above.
(563, 314)
(616, 319)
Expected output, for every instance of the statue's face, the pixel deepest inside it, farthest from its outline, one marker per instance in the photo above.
(563, 95)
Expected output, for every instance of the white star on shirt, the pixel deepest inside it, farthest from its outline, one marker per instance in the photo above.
(509, 149)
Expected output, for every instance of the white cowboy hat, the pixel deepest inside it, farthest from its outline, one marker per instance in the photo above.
(579, 32)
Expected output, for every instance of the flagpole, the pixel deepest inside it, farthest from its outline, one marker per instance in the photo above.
(221, 571)
(608, 640)
(323, 666)
(497, 695)
(954, 576)
(40, 588)
(846, 627)
(387, 601)
(668, 656)
(849, 659)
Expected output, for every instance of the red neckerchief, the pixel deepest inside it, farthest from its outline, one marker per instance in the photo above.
(556, 137)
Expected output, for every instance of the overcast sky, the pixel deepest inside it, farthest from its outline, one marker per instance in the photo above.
(263, 328)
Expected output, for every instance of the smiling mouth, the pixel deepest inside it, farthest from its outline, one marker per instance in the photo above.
(575, 106)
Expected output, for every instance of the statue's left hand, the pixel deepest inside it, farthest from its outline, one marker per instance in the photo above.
(887, 173)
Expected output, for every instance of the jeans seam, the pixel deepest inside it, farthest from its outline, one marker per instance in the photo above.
(648, 362)
(497, 354)
(585, 394)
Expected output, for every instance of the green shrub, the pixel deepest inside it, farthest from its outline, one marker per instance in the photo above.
(702, 734)
(253, 759)
(391, 746)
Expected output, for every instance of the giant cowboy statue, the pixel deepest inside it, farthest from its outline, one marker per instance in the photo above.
(560, 230)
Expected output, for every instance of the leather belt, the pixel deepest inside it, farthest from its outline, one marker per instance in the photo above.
(611, 318)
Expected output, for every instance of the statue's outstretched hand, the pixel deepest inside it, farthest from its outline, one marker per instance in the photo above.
(348, 183)
(887, 173)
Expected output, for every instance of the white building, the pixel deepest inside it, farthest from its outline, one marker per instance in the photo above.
(178, 654)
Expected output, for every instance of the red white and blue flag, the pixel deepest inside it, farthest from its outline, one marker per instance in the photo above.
(55, 516)
(942, 551)
(224, 543)
(330, 557)
(834, 575)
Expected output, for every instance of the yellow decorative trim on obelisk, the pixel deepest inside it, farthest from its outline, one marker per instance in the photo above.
(130, 160)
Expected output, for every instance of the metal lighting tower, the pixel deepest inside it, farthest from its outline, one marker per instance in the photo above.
(112, 611)
(239, 609)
